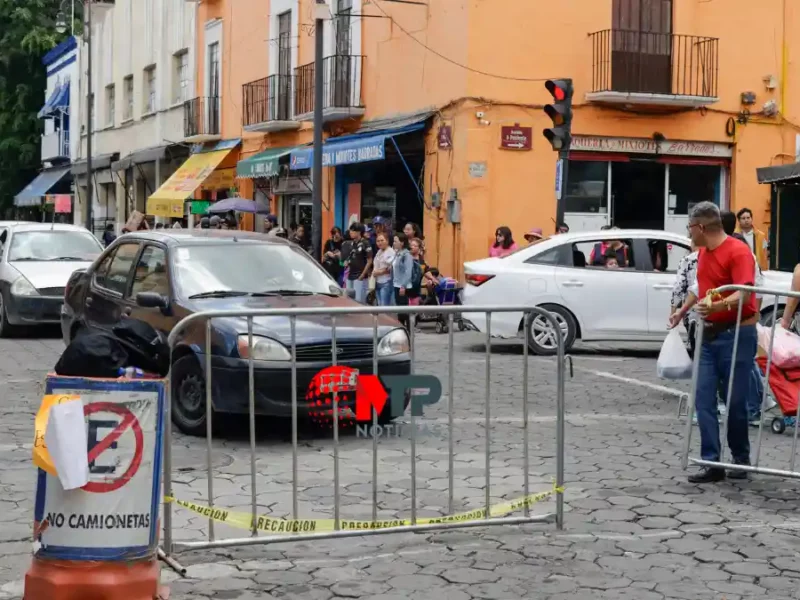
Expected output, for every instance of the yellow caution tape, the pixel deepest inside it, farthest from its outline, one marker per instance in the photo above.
(273, 525)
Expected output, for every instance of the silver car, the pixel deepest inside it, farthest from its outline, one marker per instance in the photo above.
(36, 261)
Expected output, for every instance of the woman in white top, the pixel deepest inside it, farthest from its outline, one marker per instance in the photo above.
(382, 272)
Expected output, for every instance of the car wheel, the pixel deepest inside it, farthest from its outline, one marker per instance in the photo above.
(6, 330)
(541, 338)
(189, 396)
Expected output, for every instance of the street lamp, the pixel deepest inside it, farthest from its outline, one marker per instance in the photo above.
(61, 27)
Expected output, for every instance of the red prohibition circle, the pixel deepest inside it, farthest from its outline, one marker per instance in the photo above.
(110, 486)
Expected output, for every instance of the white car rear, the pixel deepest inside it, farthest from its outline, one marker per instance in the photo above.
(565, 275)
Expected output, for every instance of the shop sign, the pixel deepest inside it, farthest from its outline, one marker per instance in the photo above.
(63, 203)
(343, 153)
(516, 138)
(445, 137)
(293, 185)
(477, 169)
(221, 179)
(559, 177)
(648, 146)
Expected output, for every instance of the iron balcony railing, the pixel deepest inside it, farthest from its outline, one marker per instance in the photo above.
(341, 84)
(654, 63)
(201, 116)
(267, 99)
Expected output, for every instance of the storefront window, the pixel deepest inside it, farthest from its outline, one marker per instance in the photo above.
(379, 201)
(690, 184)
(587, 187)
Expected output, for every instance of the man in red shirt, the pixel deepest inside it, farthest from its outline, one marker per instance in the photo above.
(722, 260)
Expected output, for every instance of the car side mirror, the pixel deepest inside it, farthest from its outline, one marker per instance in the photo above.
(152, 300)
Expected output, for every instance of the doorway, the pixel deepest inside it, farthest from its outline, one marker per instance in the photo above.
(296, 210)
(786, 210)
(637, 194)
(641, 46)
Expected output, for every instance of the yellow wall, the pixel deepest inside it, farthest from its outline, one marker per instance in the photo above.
(531, 40)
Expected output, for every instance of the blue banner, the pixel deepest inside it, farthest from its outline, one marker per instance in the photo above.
(342, 153)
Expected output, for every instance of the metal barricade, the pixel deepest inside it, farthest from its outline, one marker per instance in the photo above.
(170, 545)
(755, 466)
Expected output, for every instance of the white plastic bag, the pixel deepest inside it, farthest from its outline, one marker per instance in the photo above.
(785, 349)
(674, 361)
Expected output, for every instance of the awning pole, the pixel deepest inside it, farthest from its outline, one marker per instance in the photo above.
(420, 196)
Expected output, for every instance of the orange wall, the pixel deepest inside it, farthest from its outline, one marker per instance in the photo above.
(515, 41)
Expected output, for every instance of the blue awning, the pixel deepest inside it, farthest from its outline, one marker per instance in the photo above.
(350, 149)
(33, 192)
(62, 101)
(48, 106)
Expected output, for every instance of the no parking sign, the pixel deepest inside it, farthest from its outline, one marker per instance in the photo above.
(115, 515)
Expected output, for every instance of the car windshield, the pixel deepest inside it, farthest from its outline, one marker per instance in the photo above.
(54, 245)
(246, 268)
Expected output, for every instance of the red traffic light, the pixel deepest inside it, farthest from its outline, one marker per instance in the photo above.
(560, 89)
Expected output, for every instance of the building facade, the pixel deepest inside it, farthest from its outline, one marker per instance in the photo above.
(142, 73)
(60, 118)
(433, 112)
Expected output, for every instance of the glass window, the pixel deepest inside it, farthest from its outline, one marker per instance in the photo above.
(181, 81)
(587, 187)
(150, 90)
(128, 91)
(597, 252)
(554, 256)
(270, 267)
(116, 279)
(111, 105)
(691, 184)
(54, 246)
(101, 271)
(665, 256)
(151, 272)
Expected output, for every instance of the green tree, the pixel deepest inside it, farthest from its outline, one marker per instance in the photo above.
(27, 32)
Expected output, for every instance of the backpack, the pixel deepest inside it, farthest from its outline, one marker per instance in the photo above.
(93, 354)
(416, 275)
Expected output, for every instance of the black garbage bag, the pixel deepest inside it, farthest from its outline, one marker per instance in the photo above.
(146, 346)
(93, 354)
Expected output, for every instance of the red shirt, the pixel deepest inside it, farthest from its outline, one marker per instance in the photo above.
(730, 263)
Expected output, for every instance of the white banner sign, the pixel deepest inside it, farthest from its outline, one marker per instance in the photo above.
(584, 143)
(115, 515)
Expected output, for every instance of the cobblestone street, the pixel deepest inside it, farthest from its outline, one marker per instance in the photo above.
(635, 529)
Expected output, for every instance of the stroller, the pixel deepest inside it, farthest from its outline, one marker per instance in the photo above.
(785, 386)
(445, 293)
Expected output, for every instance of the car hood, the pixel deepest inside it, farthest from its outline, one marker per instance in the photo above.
(48, 274)
(310, 329)
(777, 279)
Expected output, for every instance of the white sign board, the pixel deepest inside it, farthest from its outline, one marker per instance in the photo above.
(477, 169)
(115, 515)
(587, 143)
(559, 177)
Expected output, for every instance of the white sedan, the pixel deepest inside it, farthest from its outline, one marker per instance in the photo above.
(565, 275)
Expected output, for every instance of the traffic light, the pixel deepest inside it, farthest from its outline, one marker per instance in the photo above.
(560, 112)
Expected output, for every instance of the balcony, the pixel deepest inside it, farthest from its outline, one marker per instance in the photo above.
(657, 70)
(341, 89)
(201, 119)
(55, 147)
(268, 104)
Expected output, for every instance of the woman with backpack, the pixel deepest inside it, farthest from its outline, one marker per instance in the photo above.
(402, 274)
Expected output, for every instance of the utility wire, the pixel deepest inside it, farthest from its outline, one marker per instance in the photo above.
(376, 4)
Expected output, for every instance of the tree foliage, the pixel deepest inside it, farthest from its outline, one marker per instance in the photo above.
(27, 32)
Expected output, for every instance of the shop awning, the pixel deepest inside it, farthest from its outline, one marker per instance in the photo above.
(167, 201)
(101, 161)
(152, 154)
(263, 164)
(32, 194)
(778, 173)
(49, 105)
(62, 101)
(350, 149)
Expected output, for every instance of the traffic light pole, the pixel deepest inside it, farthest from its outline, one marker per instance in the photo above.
(563, 157)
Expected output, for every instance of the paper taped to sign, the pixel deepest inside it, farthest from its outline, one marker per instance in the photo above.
(66, 439)
(115, 514)
(41, 456)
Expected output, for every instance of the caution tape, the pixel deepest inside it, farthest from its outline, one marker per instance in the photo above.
(273, 525)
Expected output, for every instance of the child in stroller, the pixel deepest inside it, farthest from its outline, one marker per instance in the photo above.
(441, 291)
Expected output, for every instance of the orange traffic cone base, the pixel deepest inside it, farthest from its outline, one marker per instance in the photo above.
(66, 580)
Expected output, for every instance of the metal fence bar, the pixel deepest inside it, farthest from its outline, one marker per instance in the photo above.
(251, 409)
(526, 484)
(686, 458)
(412, 312)
(450, 406)
(336, 497)
(209, 429)
(487, 410)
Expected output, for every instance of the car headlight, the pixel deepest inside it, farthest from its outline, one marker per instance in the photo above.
(394, 342)
(23, 287)
(263, 349)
